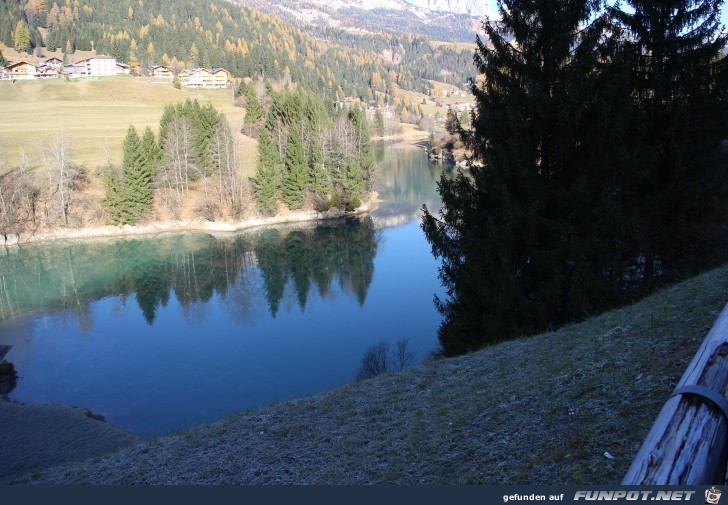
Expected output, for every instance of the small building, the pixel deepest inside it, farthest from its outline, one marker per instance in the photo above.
(96, 66)
(49, 69)
(204, 78)
(21, 70)
(161, 72)
(75, 70)
(122, 68)
(53, 63)
(48, 73)
(220, 77)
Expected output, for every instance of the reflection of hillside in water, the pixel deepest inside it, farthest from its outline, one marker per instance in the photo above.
(408, 181)
(242, 271)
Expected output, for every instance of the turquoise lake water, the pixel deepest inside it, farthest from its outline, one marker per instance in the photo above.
(161, 333)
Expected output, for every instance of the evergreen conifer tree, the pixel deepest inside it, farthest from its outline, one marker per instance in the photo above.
(673, 48)
(151, 152)
(452, 124)
(354, 185)
(365, 154)
(296, 177)
(522, 237)
(431, 143)
(253, 112)
(113, 201)
(136, 180)
(267, 177)
(379, 123)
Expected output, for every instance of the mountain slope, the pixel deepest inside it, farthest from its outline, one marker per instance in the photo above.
(478, 8)
(249, 43)
(392, 16)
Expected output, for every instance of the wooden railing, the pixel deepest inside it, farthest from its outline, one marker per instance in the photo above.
(687, 443)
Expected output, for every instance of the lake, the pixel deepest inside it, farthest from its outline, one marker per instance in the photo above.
(163, 332)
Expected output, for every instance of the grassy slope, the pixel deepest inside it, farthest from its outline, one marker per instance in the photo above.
(456, 46)
(94, 113)
(542, 409)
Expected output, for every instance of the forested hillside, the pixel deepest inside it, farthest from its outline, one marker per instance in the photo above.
(189, 33)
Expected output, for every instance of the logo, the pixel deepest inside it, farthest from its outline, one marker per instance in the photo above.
(712, 496)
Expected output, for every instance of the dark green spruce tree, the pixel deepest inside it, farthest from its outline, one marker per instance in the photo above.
(296, 175)
(151, 152)
(364, 151)
(673, 49)
(267, 178)
(452, 123)
(526, 239)
(113, 201)
(379, 123)
(253, 113)
(137, 192)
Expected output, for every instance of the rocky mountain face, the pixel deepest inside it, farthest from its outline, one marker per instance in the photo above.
(476, 8)
(373, 16)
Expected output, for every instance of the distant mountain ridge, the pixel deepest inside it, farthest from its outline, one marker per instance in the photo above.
(477, 8)
(374, 16)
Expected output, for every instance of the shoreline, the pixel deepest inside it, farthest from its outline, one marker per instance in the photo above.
(189, 225)
(448, 421)
(41, 436)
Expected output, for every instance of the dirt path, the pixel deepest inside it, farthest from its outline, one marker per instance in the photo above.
(35, 437)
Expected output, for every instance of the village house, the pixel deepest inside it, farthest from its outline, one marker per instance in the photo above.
(52, 64)
(96, 66)
(75, 69)
(161, 72)
(51, 68)
(122, 68)
(21, 70)
(205, 78)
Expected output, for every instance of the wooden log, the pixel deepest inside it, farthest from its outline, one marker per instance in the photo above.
(687, 443)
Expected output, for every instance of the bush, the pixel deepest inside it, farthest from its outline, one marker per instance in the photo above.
(375, 362)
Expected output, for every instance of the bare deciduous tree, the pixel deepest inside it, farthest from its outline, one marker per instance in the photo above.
(180, 166)
(402, 356)
(224, 155)
(17, 199)
(374, 361)
(64, 176)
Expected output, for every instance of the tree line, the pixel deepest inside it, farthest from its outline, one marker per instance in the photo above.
(195, 143)
(595, 173)
(308, 154)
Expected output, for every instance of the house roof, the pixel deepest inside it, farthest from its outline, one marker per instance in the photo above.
(99, 57)
(155, 67)
(17, 63)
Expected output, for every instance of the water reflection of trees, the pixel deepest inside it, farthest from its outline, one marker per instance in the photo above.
(409, 181)
(245, 271)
